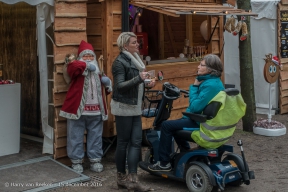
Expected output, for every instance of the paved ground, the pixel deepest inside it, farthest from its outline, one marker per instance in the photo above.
(267, 156)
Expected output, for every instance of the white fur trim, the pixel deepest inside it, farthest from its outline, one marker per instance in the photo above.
(136, 60)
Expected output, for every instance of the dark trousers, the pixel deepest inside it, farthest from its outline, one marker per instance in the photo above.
(129, 131)
(167, 131)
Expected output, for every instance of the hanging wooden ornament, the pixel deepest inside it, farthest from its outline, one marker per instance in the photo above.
(227, 25)
(232, 23)
(237, 28)
(244, 32)
(271, 70)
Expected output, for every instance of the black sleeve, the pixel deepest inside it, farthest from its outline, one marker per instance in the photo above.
(119, 73)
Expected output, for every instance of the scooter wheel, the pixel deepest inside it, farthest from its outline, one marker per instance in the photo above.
(148, 157)
(197, 180)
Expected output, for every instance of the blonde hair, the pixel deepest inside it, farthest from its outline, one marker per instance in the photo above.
(124, 39)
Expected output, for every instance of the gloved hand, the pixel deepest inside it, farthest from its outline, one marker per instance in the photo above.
(109, 88)
(105, 81)
(91, 67)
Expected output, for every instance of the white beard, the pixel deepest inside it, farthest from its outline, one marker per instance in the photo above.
(93, 62)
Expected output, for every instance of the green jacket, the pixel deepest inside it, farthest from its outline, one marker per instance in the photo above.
(217, 131)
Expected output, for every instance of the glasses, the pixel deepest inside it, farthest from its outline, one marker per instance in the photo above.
(202, 65)
(87, 56)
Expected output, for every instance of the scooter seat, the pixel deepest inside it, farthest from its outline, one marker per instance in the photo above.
(184, 134)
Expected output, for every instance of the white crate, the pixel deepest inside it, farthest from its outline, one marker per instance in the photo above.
(10, 95)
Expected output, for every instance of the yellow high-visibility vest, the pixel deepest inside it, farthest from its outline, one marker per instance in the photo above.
(217, 131)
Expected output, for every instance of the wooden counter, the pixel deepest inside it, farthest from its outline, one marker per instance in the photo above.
(181, 74)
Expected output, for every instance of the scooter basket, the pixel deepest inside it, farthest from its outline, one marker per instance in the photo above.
(151, 102)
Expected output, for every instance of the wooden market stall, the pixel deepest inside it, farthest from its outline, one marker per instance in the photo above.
(283, 55)
(167, 25)
(18, 60)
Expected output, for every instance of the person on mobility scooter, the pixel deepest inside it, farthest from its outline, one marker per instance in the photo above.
(210, 121)
(206, 86)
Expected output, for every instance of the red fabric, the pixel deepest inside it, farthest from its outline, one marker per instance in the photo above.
(74, 94)
(84, 46)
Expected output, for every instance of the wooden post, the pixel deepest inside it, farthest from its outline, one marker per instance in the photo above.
(189, 30)
(170, 34)
(161, 36)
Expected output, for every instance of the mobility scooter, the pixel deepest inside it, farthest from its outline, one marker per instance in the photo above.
(202, 169)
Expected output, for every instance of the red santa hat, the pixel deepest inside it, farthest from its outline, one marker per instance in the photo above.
(276, 61)
(85, 48)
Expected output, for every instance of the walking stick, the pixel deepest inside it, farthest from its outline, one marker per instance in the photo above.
(100, 63)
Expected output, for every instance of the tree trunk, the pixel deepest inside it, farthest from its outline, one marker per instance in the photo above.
(246, 72)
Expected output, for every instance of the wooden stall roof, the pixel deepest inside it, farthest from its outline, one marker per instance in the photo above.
(177, 8)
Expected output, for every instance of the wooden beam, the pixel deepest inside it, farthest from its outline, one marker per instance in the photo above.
(60, 129)
(63, 9)
(60, 52)
(221, 40)
(58, 80)
(60, 142)
(284, 60)
(231, 2)
(57, 117)
(184, 69)
(284, 101)
(69, 38)
(189, 30)
(69, 24)
(283, 109)
(170, 34)
(284, 84)
(58, 99)
(282, 7)
(283, 75)
(59, 152)
(283, 93)
(108, 22)
(161, 36)
(166, 12)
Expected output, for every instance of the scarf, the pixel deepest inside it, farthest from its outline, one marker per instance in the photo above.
(205, 77)
(136, 60)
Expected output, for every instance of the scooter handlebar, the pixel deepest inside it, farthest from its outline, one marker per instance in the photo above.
(185, 92)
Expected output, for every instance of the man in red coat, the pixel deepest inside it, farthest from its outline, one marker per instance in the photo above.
(85, 109)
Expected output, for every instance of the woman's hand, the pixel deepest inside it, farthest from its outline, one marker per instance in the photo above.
(144, 75)
(196, 82)
(151, 84)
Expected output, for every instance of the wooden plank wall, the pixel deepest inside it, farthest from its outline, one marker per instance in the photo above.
(103, 29)
(69, 30)
(217, 38)
(174, 33)
(283, 78)
(181, 74)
